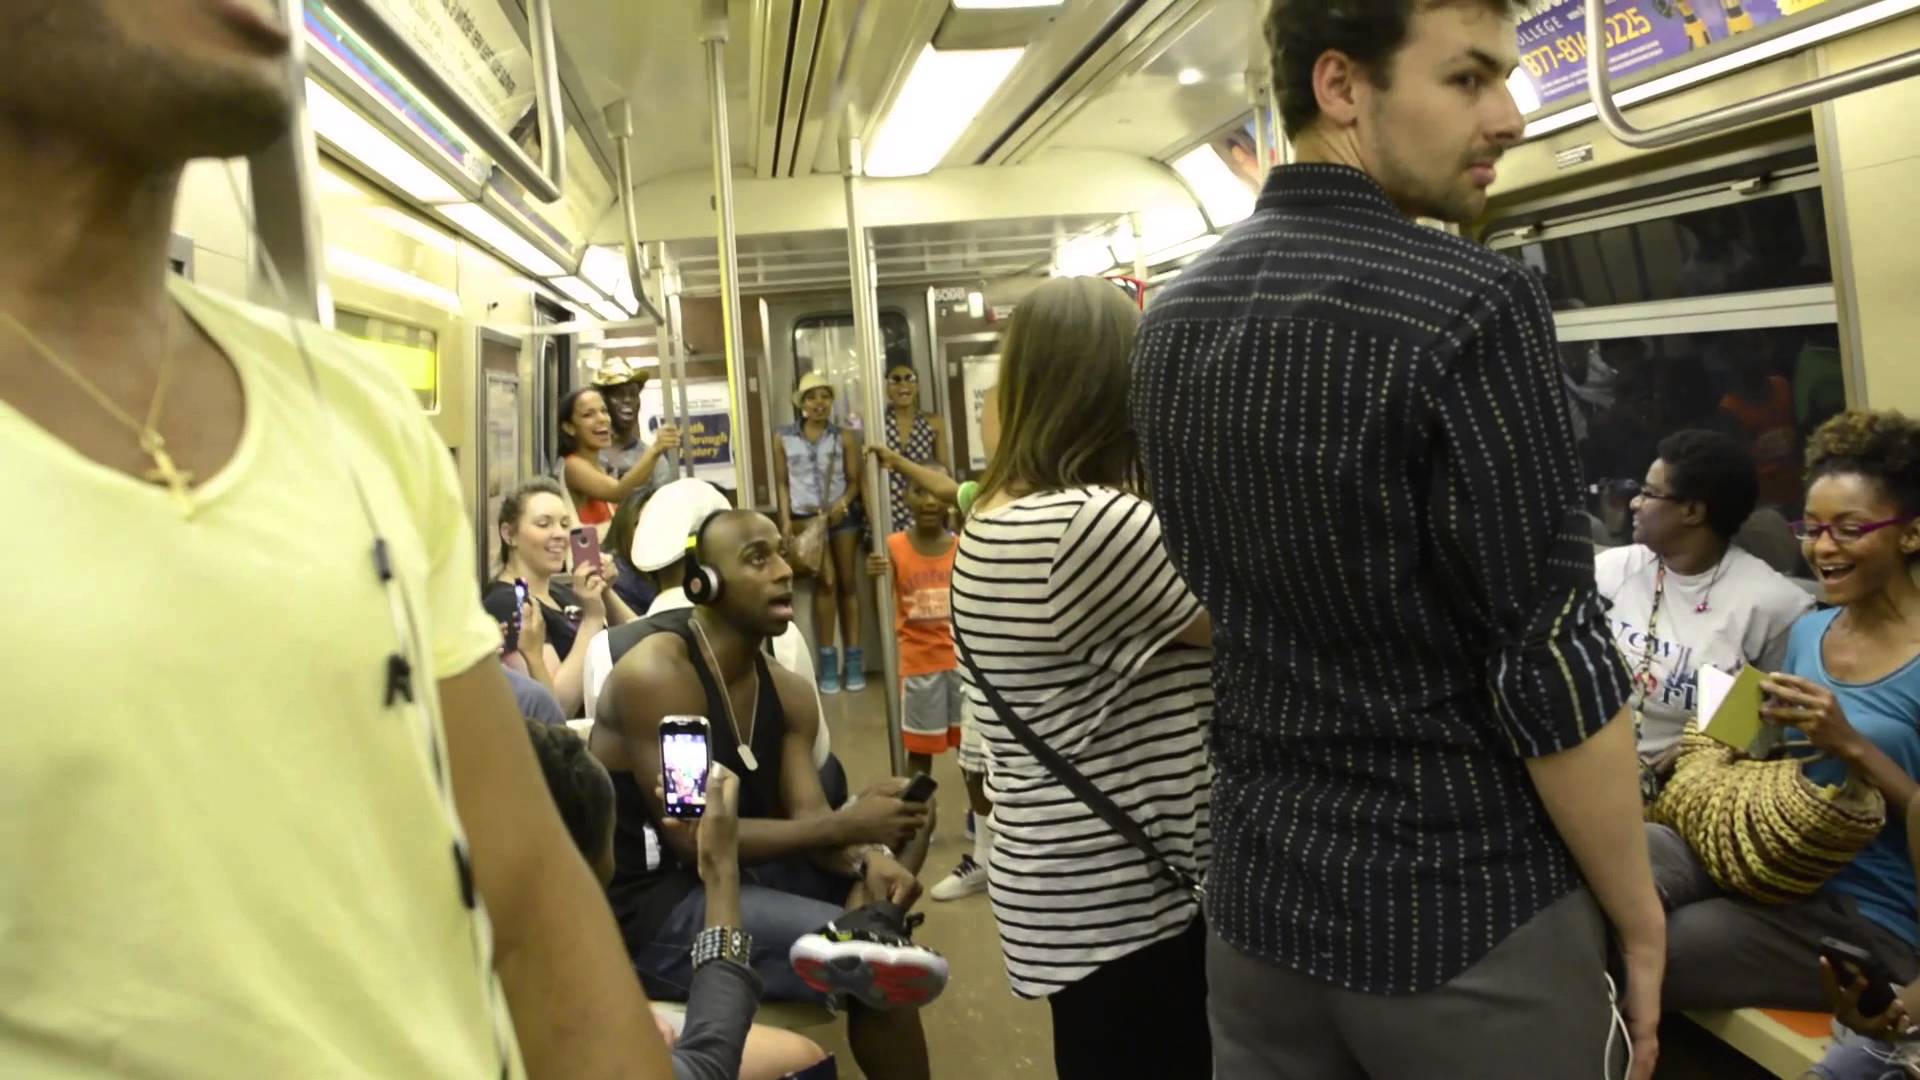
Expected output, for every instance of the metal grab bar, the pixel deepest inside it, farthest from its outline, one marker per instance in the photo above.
(1713, 122)
(542, 180)
(619, 117)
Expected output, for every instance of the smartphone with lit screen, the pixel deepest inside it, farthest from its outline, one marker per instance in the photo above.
(685, 760)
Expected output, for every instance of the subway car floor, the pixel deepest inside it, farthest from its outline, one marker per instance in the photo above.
(978, 1030)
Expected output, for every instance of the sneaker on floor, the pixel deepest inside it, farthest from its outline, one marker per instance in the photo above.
(967, 879)
(856, 671)
(869, 955)
(827, 672)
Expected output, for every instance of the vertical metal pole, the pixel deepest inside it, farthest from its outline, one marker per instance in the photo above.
(766, 386)
(670, 406)
(1137, 223)
(1262, 124)
(619, 118)
(286, 221)
(866, 325)
(714, 36)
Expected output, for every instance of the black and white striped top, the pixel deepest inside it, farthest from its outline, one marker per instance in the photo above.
(1070, 605)
(1356, 436)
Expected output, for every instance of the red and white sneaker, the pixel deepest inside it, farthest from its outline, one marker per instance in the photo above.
(869, 955)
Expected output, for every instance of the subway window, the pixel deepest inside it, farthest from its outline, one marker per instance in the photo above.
(827, 343)
(1709, 309)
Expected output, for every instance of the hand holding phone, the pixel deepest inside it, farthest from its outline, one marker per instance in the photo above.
(586, 549)
(686, 760)
(1852, 964)
(920, 789)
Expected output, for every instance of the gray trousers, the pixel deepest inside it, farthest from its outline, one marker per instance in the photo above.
(1535, 1008)
(1726, 952)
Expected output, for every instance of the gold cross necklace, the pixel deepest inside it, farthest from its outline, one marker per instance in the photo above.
(152, 444)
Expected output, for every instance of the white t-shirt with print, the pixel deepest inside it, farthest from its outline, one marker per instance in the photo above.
(1749, 609)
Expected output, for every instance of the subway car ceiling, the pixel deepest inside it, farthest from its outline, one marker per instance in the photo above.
(1003, 140)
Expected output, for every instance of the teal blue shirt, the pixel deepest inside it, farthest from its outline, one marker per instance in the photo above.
(1887, 712)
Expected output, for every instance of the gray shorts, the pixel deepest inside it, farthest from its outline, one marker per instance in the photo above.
(930, 710)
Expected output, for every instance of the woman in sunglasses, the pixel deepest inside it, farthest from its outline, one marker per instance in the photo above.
(914, 435)
(1683, 594)
(1850, 688)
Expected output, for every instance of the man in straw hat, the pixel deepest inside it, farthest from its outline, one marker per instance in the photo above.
(620, 382)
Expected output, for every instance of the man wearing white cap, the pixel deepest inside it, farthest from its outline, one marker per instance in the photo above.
(659, 546)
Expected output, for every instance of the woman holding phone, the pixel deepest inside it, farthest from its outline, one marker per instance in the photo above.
(535, 537)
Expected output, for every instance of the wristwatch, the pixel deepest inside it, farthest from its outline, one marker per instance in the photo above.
(864, 855)
(722, 943)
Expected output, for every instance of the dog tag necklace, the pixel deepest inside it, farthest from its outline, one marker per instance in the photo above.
(726, 697)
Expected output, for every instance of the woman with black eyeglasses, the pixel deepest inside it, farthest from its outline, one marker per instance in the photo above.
(1850, 688)
(1683, 594)
(914, 435)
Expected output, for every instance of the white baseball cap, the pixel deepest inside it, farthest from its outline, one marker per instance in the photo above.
(670, 516)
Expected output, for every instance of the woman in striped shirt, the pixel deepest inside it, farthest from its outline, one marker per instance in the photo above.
(1066, 600)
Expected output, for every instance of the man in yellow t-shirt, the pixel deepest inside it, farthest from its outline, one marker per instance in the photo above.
(227, 846)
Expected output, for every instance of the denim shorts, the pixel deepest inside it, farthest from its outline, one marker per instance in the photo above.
(855, 520)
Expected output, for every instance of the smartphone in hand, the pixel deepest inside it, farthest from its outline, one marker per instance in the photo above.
(685, 760)
(1851, 964)
(586, 550)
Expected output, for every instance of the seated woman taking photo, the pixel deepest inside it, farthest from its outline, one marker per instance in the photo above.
(534, 543)
(1849, 688)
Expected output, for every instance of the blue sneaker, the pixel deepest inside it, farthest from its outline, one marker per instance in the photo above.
(856, 671)
(828, 672)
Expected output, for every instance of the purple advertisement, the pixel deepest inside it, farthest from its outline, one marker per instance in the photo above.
(1639, 34)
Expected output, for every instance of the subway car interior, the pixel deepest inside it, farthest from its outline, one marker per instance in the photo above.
(509, 199)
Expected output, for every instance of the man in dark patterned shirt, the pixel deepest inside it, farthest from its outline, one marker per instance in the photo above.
(1426, 805)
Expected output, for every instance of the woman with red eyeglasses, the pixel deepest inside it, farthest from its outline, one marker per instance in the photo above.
(1849, 687)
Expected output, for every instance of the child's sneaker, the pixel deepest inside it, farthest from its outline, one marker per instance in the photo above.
(967, 879)
(869, 955)
(827, 672)
(856, 671)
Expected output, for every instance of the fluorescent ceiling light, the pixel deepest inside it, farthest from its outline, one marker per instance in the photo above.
(480, 223)
(609, 311)
(1082, 256)
(1165, 226)
(626, 343)
(1225, 197)
(1190, 76)
(1525, 97)
(350, 264)
(606, 269)
(1181, 250)
(577, 290)
(356, 138)
(942, 95)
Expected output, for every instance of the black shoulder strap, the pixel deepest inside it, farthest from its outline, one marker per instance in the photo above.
(1076, 782)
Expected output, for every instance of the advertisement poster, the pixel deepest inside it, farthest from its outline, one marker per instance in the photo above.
(1640, 34)
(978, 374)
(708, 436)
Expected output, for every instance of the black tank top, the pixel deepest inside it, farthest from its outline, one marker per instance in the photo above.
(648, 881)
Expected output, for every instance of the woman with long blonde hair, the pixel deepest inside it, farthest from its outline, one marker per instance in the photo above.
(1068, 604)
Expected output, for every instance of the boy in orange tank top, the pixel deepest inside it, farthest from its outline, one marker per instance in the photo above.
(933, 702)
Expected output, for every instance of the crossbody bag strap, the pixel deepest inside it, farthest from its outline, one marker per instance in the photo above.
(1092, 797)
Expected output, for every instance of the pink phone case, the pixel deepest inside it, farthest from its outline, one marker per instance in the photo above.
(586, 549)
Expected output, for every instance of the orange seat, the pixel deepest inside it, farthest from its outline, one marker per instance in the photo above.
(1813, 1025)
